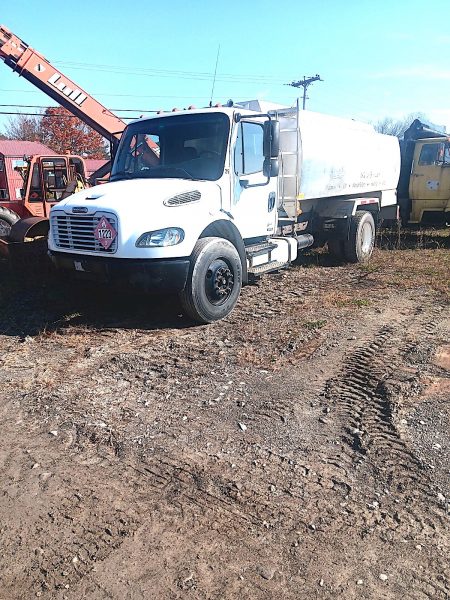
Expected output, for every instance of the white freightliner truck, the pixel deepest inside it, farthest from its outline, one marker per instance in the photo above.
(201, 200)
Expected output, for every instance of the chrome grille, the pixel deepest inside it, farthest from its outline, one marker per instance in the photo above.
(76, 232)
(183, 198)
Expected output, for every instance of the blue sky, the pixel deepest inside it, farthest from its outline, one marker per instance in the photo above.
(377, 58)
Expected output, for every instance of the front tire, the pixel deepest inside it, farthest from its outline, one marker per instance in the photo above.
(214, 281)
(361, 241)
(7, 218)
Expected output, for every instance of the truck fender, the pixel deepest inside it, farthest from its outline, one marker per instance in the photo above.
(31, 227)
(228, 231)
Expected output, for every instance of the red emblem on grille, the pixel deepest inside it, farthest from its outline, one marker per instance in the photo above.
(105, 233)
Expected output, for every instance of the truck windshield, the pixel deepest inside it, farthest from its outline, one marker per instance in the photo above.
(188, 146)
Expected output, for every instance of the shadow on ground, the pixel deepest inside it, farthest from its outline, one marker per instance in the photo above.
(34, 299)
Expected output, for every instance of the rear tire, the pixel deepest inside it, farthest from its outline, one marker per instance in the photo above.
(214, 280)
(361, 241)
(7, 218)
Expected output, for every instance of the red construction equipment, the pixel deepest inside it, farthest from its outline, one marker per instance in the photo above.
(30, 186)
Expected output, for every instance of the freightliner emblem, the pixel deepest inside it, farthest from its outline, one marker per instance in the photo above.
(79, 209)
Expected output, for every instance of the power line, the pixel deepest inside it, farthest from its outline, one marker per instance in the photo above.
(181, 75)
(203, 96)
(200, 75)
(359, 107)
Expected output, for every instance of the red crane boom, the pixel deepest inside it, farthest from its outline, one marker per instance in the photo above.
(34, 67)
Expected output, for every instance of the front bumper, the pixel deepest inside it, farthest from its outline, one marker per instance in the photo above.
(152, 275)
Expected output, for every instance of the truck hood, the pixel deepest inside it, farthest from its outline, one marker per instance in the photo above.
(142, 205)
(143, 196)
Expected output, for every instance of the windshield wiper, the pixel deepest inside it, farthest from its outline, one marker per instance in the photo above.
(166, 169)
(153, 172)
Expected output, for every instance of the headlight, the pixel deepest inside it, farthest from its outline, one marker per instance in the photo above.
(161, 237)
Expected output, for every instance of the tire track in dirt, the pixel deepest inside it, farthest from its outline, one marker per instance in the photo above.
(362, 395)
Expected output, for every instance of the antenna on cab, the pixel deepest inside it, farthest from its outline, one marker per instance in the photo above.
(214, 79)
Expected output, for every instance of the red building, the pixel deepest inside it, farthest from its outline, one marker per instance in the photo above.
(11, 156)
(92, 164)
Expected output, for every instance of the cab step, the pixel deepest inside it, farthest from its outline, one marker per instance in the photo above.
(259, 249)
(269, 255)
(273, 265)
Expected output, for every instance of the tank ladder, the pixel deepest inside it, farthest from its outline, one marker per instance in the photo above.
(289, 158)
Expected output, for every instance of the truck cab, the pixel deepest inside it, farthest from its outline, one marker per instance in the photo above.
(424, 186)
(209, 158)
(429, 188)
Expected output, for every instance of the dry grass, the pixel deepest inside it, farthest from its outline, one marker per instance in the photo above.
(411, 269)
(411, 258)
(414, 238)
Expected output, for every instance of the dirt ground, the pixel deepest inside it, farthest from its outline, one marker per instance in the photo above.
(299, 449)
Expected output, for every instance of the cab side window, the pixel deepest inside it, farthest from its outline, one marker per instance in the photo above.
(429, 155)
(248, 152)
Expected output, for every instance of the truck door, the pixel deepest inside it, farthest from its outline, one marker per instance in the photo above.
(429, 187)
(254, 201)
(34, 190)
(47, 180)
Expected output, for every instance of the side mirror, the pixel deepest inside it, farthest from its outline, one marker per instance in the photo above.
(271, 167)
(271, 146)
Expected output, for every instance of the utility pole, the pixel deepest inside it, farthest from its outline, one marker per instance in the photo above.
(304, 83)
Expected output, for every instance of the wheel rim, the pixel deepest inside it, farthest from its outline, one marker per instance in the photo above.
(5, 228)
(366, 238)
(219, 282)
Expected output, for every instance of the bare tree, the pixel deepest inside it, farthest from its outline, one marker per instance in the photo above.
(398, 127)
(25, 127)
